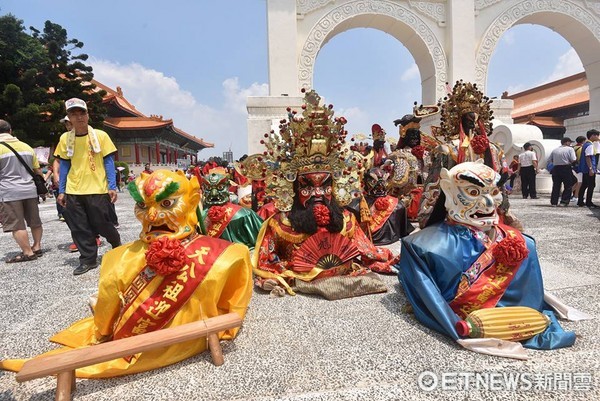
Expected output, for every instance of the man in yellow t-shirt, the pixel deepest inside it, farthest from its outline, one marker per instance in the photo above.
(87, 184)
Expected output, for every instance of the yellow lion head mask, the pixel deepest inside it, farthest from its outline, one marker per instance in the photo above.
(166, 204)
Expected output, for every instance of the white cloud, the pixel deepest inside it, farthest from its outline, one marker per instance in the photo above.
(235, 97)
(151, 92)
(359, 121)
(411, 73)
(568, 64)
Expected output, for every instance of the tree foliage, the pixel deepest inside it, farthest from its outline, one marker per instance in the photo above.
(38, 72)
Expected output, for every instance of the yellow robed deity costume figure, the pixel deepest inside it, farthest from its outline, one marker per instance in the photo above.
(169, 277)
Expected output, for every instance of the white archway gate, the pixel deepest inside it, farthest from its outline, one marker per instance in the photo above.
(449, 40)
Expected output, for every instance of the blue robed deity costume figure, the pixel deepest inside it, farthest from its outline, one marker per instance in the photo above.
(452, 268)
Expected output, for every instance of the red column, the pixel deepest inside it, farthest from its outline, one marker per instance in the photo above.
(150, 154)
(168, 154)
(175, 155)
(137, 153)
(157, 153)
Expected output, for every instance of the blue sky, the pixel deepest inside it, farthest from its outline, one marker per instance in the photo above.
(196, 61)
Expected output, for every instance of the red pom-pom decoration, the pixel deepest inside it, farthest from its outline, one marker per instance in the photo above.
(165, 256)
(510, 251)
(321, 213)
(382, 203)
(216, 213)
(418, 151)
(480, 143)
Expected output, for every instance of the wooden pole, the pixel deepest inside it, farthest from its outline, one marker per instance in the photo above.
(68, 361)
(64, 381)
(215, 349)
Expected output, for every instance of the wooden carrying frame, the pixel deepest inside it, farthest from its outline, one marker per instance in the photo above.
(64, 364)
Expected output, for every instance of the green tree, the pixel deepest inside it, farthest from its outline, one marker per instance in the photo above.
(22, 91)
(68, 75)
(38, 72)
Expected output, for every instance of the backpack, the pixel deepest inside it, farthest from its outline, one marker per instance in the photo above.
(577, 149)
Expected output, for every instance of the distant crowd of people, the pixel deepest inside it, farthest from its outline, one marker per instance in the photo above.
(573, 169)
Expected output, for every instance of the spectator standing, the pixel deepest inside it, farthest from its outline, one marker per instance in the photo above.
(578, 175)
(514, 170)
(587, 166)
(562, 158)
(87, 185)
(55, 174)
(147, 169)
(528, 168)
(18, 195)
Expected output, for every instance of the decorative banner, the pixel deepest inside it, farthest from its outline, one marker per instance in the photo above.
(42, 154)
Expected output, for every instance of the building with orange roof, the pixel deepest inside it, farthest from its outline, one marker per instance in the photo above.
(144, 139)
(548, 106)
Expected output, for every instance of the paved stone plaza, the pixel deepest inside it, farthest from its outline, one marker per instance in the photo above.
(306, 348)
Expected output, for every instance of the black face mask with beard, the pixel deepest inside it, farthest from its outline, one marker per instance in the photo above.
(413, 137)
(303, 219)
(378, 144)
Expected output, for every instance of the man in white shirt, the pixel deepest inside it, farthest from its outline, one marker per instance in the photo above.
(562, 158)
(528, 168)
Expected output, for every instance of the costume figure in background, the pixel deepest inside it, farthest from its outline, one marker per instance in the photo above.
(407, 172)
(379, 144)
(412, 159)
(472, 261)
(169, 277)
(220, 218)
(311, 175)
(466, 123)
(385, 220)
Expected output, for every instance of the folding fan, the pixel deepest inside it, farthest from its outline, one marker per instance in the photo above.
(324, 250)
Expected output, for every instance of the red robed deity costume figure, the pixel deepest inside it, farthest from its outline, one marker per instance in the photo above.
(310, 174)
(169, 277)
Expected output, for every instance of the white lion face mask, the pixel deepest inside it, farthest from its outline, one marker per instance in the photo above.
(472, 194)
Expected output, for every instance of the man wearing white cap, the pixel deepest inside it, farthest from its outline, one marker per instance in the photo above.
(87, 184)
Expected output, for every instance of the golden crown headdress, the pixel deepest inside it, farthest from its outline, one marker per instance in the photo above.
(465, 98)
(311, 142)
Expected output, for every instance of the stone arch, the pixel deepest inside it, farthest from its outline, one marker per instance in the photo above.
(397, 21)
(574, 23)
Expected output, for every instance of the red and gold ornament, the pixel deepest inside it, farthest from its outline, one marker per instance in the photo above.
(165, 256)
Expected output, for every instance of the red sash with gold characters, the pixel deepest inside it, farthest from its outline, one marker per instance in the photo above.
(215, 228)
(379, 217)
(485, 281)
(171, 294)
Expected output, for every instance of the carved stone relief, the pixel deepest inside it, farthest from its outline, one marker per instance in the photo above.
(481, 4)
(307, 6)
(432, 9)
(523, 9)
(594, 6)
(328, 22)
